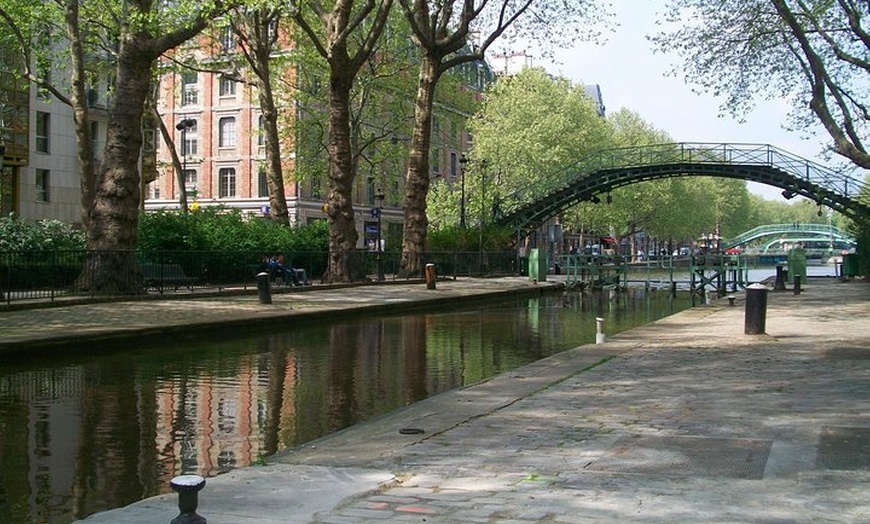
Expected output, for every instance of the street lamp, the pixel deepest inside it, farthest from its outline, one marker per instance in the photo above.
(463, 162)
(183, 126)
(379, 199)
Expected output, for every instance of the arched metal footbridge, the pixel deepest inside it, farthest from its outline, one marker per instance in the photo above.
(608, 169)
(773, 233)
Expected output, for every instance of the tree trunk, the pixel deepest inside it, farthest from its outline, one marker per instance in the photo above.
(274, 171)
(342, 226)
(112, 232)
(258, 57)
(79, 103)
(417, 178)
(177, 166)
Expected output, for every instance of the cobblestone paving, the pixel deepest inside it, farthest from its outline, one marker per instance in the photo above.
(529, 461)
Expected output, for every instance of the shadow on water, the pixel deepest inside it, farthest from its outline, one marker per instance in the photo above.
(79, 435)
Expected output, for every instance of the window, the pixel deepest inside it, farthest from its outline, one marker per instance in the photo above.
(227, 132)
(149, 143)
(261, 132)
(435, 161)
(190, 145)
(262, 183)
(228, 39)
(227, 87)
(453, 165)
(95, 136)
(43, 177)
(42, 129)
(190, 177)
(227, 182)
(189, 89)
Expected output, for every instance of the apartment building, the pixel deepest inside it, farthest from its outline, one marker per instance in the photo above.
(39, 175)
(217, 125)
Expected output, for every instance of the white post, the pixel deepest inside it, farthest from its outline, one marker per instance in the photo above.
(599, 330)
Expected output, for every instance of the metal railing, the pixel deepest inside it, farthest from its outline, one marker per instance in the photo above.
(55, 275)
(819, 230)
(603, 162)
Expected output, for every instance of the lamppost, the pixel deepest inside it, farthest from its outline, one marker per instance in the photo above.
(183, 126)
(379, 199)
(463, 162)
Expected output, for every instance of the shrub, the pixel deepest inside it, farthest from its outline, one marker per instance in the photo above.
(469, 240)
(48, 235)
(222, 229)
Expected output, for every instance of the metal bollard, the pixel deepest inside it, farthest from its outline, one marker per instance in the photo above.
(430, 276)
(797, 284)
(187, 487)
(599, 330)
(781, 275)
(264, 289)
(756, 309)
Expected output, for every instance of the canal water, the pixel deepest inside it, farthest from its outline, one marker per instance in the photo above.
(79, 435)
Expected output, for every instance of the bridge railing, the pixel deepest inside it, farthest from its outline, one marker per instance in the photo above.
(828, 230)
(599, 162)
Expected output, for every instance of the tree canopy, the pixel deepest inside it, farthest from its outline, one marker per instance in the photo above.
(812, 53)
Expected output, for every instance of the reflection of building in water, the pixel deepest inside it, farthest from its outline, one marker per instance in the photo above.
(213, 423)
(99, 437)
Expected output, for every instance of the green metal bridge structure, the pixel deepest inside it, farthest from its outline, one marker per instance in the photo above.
(767, 238)
(608, 169)
(605, 170)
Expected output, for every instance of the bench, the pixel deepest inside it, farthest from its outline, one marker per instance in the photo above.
(159, 275)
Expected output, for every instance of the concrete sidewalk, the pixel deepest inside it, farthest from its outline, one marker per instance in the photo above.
(684, 420)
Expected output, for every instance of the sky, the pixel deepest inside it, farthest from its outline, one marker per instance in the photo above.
(632, 76)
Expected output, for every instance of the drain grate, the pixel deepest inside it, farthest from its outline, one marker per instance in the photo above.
(844, 448)
(686, 457)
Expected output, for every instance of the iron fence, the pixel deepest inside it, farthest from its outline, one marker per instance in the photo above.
(52, 275)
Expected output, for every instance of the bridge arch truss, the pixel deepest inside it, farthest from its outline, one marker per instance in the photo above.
(610, 169)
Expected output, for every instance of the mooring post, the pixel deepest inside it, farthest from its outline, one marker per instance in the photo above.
(264, 289)
(431, 277)
(187, 487)
(756, 309)
(599, 330)
(779, 283)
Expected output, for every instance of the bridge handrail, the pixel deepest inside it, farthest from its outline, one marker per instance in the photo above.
(770, 229)
(684, 153)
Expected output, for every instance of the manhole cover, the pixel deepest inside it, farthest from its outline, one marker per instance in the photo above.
(686, 457)
(844, 448)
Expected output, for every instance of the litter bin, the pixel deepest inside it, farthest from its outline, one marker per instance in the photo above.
(850, 265)
(537, 265)
(755, 316)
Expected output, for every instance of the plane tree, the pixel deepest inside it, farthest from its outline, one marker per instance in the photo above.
(531, 133)
(258, 29)
(121, 40)
(811, 53)
(345, 36)
(441, 30)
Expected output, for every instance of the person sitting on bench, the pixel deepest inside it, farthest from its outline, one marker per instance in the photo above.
(297, 275)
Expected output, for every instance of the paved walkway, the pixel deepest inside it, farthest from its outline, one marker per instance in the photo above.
(188, 314)
(684, 420)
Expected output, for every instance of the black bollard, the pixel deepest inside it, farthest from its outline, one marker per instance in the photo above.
(431, 276)
(187, 487)
(756, 309)
(781, 275)
(264, 289)
(797, 284)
